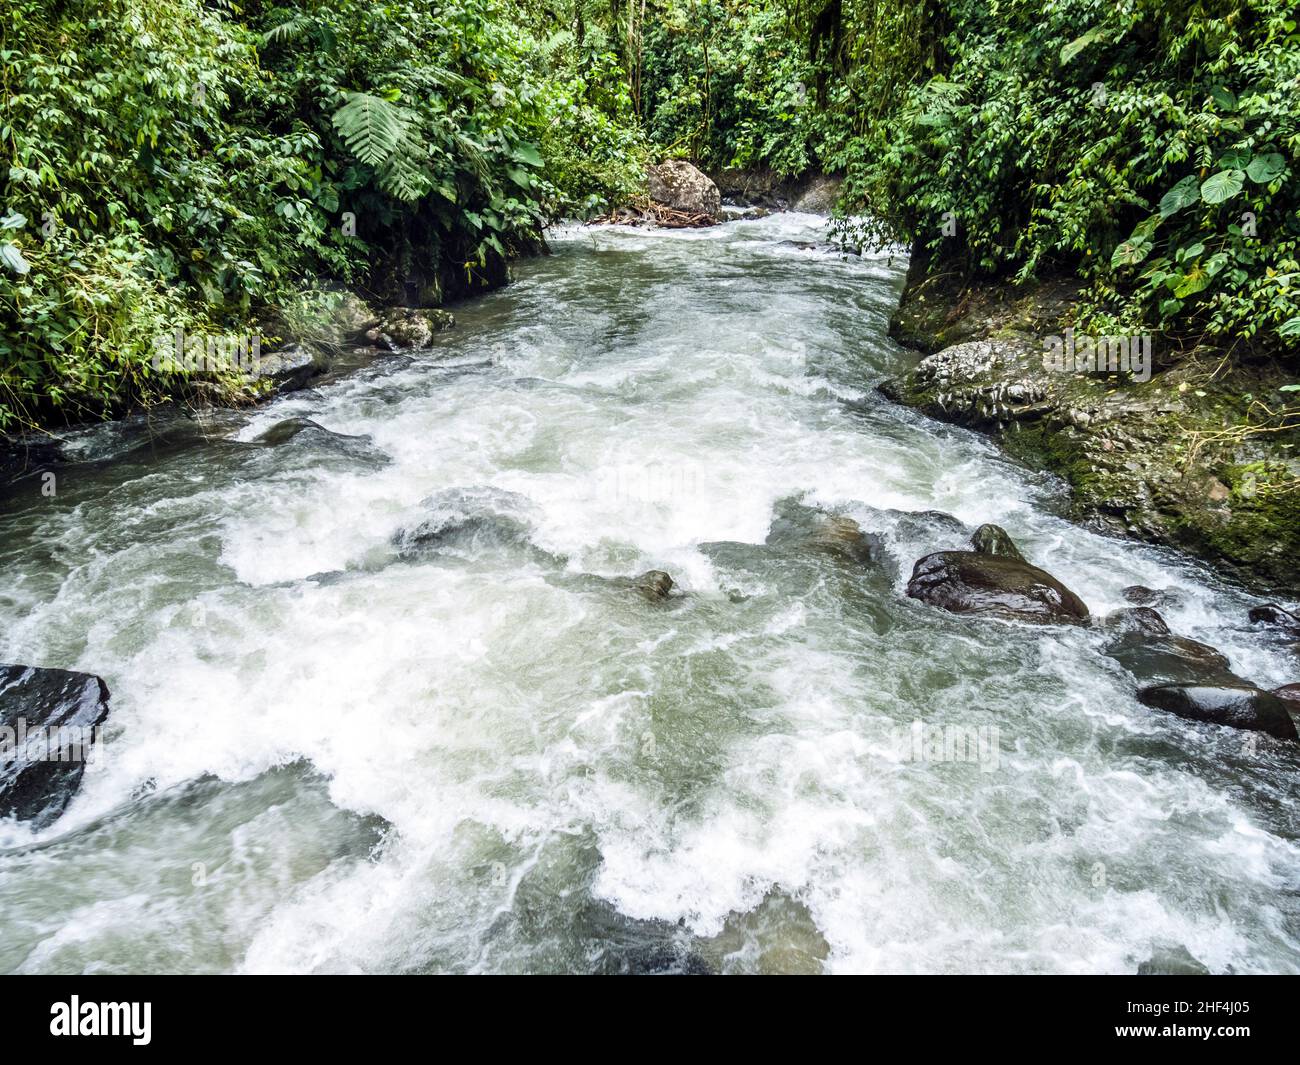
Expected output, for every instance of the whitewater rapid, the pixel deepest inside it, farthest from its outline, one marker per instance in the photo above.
(333, 749)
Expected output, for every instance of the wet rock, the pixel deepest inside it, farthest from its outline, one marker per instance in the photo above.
(819, 196)
(965, 582)
(1290, 696)
(46, 721)
(654, 584)
(1235, 707)
(291, 368)
(1135, 620)
(304, 431)
(1157, 657)
(677, 184)
(468, 520)
(1116, 440)
(1277, 620)
(1172, 961)
(795, 525)
(666, 960)
(993, 540)
(408, 328)
(1139, 595)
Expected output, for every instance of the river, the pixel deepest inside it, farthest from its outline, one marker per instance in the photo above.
(377, 707)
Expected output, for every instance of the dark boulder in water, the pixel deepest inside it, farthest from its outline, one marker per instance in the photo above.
(1276, 619)
(965, 582)
(994, 540)
(796, 525)
(1290, 696)
(1235, 707)
(655, 584)
(1135, 620)
(1155, 656)
(47, 718)
(1140, 595)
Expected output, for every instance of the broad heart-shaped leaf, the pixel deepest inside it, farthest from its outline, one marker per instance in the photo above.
(1290, 328)
(1184, 194)
(13, 258)
(1130, 253)
(1222, 186)
(1195, 280)
(526, 153)
(13, 220)
(1235, 159)
(1264, 168)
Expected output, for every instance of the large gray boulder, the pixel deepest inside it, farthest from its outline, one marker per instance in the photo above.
(408, 328)
(46, 722)
(679, 185)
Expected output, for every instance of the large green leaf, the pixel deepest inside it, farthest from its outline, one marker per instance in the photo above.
(13, 258)
(526, 153)
(1265, 168)
(1222, 186)
(1184, 194)
(1130, 253)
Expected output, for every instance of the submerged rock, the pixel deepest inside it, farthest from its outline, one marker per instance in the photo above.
(1172, 961)
(468, 520)
(56, 711)
(796, 525)
(993, 540)
(1140, 595)
(1235, 707)
(1276, 619)
(965, 582)
(677, 184)
(655, 584)
(1139, 620)
(408, 328)
(302, 431)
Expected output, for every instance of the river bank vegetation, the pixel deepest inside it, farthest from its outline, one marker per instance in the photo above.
(203, 166)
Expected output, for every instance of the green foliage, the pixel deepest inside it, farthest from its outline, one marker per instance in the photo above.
(1155, 152)
(176, 163)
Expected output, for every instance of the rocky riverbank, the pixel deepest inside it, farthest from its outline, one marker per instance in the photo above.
(1169, 460)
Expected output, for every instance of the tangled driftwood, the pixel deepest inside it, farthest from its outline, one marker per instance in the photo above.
(648, 212)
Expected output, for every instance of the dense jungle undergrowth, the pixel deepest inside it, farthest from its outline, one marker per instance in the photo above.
(214, 166)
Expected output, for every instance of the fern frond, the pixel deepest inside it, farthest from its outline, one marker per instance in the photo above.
(373, 129)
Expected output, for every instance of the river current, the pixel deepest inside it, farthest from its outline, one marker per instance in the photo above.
(385, 701)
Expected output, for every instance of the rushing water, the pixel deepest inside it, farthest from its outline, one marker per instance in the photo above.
(339, 745)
